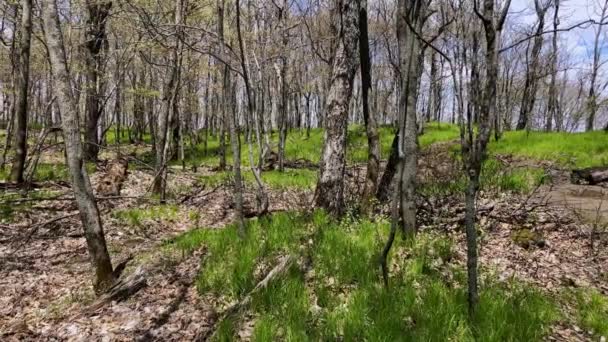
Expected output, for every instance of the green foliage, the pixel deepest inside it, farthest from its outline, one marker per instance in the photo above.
(123, 137)
(300, 146)
(341, 296)
(232, 261)
(49, 172)
(592, 311)
(495, 175)
(568, 149)
(435, 132)
(300, 179)
(137, 217)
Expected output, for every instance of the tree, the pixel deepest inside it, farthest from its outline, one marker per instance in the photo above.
(20, 146)
(532, 76)
(96, 44)
(592, 98)
(81, 185)
(371, 124)
(169, 104)
(474, 141)
(329, 193)
(410, 20)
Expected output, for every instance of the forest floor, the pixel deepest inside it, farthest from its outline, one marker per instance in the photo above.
(543, 252)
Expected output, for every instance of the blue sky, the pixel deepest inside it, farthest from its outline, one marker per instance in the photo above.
(578, 42)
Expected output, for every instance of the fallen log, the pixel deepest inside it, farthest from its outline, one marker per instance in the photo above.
(591, 175)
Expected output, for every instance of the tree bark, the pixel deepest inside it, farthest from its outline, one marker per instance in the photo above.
(531, 85)
(553, 102)
(20, 146)
(371, 124)
(330, 185)
(96, 44)
(474, 144)
(591, 99)
(81, 186)
(410, 62)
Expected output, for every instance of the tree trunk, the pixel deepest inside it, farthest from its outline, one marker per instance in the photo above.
(591, 99)
(330, 185)
(531, 85)
(168, 108)
(411, 66)
(474, 144)
(81, 186)
(96, 45)
(553, 102)
(20, 146)
(384, 187)
(371, 125)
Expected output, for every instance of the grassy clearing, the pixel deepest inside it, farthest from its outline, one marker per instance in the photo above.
(341, 296)
(436, 132)
(568, 149)
(301, 146)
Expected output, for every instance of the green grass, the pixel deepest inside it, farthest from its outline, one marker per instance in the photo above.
(592, 311)
(494, 177)
(137, 217)
(299, 179)
(48, 172)
(299, 146)
(112, 138)
(436, 132)
(568, 149)
(343, 282)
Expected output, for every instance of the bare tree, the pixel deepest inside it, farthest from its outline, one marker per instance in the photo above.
(96, 45)
(81, 185)
(474, 141)
(371, 124)
(554, 112)
(592, 97)
(20, 146)
(532, 76)
(330, 185)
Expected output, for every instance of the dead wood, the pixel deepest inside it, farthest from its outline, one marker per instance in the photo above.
(271, 162)
(591, 175)
(121, 290)
(283, 265)
(116, 173)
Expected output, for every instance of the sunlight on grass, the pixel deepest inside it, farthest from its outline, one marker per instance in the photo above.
(592, 308)
(299, 146)
(299, 179)
(137, 217)
(435, 132)
(568, 149)
(341, 296)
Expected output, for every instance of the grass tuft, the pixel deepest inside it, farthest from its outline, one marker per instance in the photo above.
(340, 296)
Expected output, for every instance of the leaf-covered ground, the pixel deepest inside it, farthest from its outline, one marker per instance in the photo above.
(533, 250)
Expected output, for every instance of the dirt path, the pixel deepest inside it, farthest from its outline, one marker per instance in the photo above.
(588, 201)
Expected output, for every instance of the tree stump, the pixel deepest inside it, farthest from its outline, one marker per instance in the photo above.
(111, 182)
